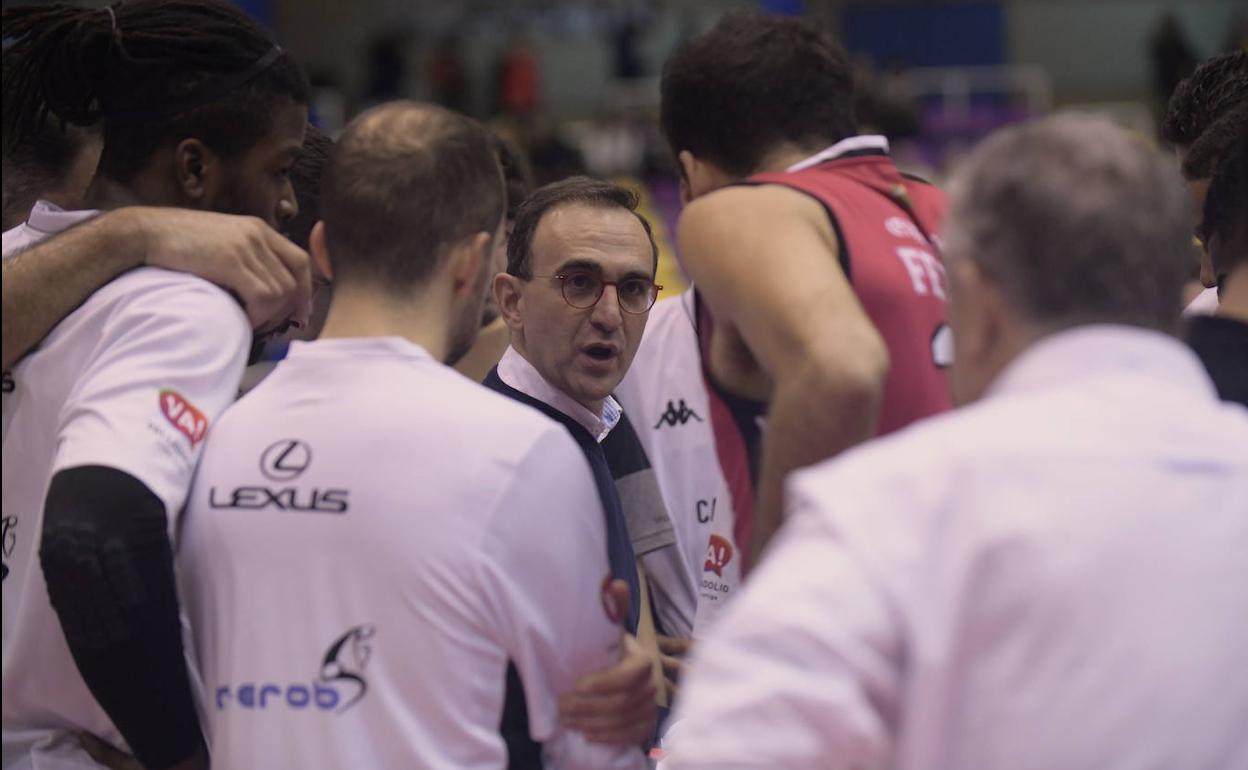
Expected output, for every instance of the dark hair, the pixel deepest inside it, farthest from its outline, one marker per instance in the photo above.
(1226, 207)
(305, 177)
(577, 189)
(1215, 87)
(1202, 156)
(753, 82)
(153, 71)
(517, 174)
(41, 162)
(405, 183)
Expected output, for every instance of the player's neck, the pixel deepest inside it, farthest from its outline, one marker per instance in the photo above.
(1233, 297)
(780, 158)
(362, 312)
(106, 194)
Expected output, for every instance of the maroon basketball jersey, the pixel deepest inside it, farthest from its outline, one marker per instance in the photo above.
(888, 232)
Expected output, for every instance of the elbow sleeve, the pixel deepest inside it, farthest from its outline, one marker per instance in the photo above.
(108, 564)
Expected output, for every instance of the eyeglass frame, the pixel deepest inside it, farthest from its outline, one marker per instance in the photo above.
(602, 289)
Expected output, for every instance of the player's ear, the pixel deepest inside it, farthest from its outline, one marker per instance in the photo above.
(469, 260)
(980, 316)
(688, 166)
(196, 170)
(699, 176)
(320, 252)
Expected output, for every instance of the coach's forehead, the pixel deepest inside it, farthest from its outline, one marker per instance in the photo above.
(610, 236)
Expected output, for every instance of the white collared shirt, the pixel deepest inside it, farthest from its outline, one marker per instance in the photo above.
(516, 371)
(1055, 577)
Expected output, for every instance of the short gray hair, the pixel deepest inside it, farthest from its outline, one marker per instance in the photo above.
(1078, 221)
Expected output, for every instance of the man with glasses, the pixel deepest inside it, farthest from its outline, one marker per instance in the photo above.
(578, 288)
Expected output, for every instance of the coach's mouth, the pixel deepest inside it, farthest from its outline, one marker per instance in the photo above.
(601, 351)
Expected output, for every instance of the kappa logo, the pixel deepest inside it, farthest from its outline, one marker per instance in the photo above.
(677, 413)
(183, 415)
(718, 554)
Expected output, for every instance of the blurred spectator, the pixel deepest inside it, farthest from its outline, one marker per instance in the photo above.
(387, 65)
(627, 61)
(879, 109)
(448, 77)
(554, 155)
(1237, 37)
(1172, 56)
(518, 79)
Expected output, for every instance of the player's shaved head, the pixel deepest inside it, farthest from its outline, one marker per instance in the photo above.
(406, 182)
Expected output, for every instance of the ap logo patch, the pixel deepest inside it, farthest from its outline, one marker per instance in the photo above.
(183, 415)
(718, 554)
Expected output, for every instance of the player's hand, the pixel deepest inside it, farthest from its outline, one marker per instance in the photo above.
(672, 652)
(615, 706)
(271, 276)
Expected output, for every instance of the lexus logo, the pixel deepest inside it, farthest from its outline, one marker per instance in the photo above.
(286, 459)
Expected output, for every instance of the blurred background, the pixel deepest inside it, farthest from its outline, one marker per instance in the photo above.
(575, 82)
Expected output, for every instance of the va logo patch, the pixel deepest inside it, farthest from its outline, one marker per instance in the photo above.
(183, 415)
(718, 554)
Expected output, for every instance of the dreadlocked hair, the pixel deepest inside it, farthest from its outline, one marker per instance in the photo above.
(1226, 205)
(1217, 86)
(151, 71)
(1203, 155)
(41, 163)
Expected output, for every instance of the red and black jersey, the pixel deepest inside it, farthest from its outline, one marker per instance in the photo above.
(887, 227)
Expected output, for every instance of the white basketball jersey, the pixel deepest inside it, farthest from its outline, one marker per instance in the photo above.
(130, 380)
(666, 394)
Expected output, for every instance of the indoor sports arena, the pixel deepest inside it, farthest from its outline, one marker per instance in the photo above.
(625, 385)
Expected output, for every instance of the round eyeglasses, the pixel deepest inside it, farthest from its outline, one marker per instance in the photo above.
(582, 289)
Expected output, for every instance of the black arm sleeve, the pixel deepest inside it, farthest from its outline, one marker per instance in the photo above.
(108, 564)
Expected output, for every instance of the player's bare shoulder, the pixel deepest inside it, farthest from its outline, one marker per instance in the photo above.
(753, 249)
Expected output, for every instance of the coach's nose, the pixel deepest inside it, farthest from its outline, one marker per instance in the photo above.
(607, 315)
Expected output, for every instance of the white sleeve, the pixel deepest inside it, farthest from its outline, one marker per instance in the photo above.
(167, 364)
(546, 561)
(802, 670)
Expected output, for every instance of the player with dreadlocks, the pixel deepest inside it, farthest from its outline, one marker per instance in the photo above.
(198, 109)
(1221, 340)
(54, 164)
(1201, 122)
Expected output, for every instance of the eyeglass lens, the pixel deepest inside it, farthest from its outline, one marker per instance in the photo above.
(584, 289)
